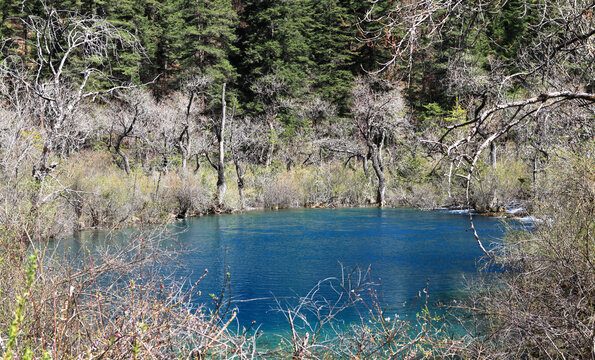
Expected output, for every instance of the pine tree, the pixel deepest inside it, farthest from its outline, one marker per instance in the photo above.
(368, 55)
(273, 42)
(209, 39)
(181, 38)
(508, 28)
(329, 39)
(8, 10)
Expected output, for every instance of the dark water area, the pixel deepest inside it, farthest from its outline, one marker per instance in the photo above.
(283, 254)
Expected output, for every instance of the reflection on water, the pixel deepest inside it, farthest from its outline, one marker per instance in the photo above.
(285, 253)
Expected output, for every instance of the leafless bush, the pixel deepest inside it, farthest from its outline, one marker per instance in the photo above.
(281, 194)
(20, 142)
(112, 303)
(423, 195)
(542, 305)
(501, 185)
(315, 331)
(103, 195)
(332, 184)
(186, 196)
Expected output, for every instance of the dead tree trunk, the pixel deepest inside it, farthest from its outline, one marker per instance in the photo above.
(271, 146)
(221, 183)
(493, 154)
(379, 171)
(125, 162)
(450, 180)
(197, 166)
(184, 138)
(240, 172)
(237, 136)
(121, 137)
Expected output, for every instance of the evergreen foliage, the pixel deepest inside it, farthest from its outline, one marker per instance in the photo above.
(273, 42)
(330, 39)
(312, 49)
(308, 46)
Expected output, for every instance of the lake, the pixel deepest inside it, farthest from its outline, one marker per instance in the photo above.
(283, 254)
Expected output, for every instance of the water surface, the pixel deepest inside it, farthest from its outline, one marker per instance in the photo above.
(285, 253)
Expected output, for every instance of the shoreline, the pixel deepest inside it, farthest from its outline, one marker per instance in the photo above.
(518, 213)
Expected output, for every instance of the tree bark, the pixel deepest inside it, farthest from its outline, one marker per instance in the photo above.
(240, 172)
(125, 161)
(535, 175)
(450, 180)
(271, 146)
(221, 183)
(493, 154)
(184, 156)
(197, 164)
(125, 133)
(377, 165)
(184, 139)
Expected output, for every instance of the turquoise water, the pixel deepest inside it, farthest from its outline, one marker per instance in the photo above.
(283, 254)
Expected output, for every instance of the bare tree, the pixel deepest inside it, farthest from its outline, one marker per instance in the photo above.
(551, 71)
(129, 119)
(71, 61)
(216, 122)
(269, 89)
(315, 115)
(378, 112)
(221, 182)
(220, 129)
(192, 139)
(245, 140)
(17, 142)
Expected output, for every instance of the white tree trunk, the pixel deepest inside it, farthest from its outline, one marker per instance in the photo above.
(221, 183)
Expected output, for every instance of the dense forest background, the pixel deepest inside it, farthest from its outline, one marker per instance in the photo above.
(309, 47)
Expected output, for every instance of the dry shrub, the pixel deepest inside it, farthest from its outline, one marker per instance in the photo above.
(327, 184)
(282, 193)
(103, 195)
(424, 195)
(112, 304)
(499, 186)
(316, 332)
(26, 204)
(106, 195)
(185, 195)
(418, 181)
(336, 184)
(543, 305)
(271, 189)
